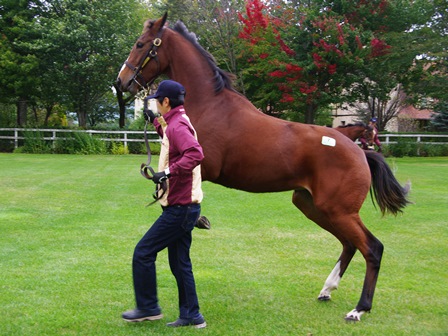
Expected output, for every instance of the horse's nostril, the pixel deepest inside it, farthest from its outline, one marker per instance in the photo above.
(118, 82)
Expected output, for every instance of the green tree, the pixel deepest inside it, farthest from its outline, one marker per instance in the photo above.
(19, 65)
(429, 76)
(65, 52)
(439, 120)
(87, 42)
(215, 23)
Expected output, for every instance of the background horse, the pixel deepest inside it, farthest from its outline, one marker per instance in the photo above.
(354, 131)
(248, 150)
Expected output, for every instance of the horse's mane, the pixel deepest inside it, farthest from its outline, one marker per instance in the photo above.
(222, 79)
(353, 125)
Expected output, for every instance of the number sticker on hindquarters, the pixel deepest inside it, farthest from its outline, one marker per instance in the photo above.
(327, 141)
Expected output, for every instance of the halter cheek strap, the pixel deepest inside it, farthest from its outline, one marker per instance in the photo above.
(152, 54)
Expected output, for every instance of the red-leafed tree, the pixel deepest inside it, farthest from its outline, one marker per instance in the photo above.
(306, 58)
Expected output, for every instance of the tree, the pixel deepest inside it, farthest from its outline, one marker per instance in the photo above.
(88, 41)
(428, 80)
(439, 120)
(65, 52)
(384, 109)
(333, 52)
(19, 75)
(215, 23)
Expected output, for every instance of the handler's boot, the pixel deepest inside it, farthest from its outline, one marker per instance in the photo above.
(197, 323)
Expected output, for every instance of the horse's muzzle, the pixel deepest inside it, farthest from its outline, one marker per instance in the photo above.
(118, 84)
(124, 87)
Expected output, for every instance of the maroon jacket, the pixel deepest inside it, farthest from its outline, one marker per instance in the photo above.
(375, 140)
(180, 155)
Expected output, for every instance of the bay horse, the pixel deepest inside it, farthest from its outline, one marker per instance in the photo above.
(251, 151)
(356, 130)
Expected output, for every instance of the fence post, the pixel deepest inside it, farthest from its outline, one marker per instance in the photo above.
(16, 138)
(125, 140)
(54, 139)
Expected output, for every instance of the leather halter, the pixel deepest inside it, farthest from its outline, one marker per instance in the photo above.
(151, 54)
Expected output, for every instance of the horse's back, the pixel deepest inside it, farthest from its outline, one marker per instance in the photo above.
(266, 154)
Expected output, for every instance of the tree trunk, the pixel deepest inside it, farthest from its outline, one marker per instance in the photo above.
(310, 113)
(49, 110)
(22, 107)
(82, 119)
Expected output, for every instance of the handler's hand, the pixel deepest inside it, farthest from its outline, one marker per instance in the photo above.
(159, 177)
(149, 115)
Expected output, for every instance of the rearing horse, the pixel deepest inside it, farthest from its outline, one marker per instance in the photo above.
(248, 150)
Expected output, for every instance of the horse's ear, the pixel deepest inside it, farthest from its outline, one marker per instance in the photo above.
(161, 22)
(165, 16)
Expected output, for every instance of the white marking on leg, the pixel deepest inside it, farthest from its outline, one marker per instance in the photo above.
(331, 283)
(354, 315)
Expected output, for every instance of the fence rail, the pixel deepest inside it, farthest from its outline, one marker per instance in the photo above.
(419, 138)
(16, 134)
(125, 137)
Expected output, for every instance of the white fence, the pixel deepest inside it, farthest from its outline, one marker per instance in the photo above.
(17, 134)
(125, 137)
(435, 139)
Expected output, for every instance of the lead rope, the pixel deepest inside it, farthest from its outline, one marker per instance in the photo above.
(144, 167)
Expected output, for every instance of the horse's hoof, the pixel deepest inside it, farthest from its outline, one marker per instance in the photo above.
(354, 316)
(324, 298)
(203, 223)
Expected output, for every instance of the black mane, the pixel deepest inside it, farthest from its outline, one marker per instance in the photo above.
(352, 125)
(222, 79)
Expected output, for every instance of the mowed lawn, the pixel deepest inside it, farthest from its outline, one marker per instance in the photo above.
(69, 224)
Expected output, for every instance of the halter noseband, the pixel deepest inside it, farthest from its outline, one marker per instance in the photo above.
(151, 54)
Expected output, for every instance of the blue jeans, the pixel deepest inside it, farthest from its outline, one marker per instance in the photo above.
(172, 230)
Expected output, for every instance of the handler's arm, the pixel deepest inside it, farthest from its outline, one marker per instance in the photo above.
(189, 148)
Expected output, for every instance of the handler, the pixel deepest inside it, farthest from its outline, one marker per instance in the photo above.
(179, 166)
(369, 143)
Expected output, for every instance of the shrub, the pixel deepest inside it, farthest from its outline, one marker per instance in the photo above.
(34, 143)
(403, 147)
(79, 143)
(6, 146)
(155, 147)
(430, 150)
(119, 149)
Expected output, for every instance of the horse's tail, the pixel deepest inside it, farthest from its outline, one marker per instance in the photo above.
(389, 194)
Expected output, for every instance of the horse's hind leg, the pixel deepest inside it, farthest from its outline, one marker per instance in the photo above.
(353, 235)
(372, 252)
(338, 271)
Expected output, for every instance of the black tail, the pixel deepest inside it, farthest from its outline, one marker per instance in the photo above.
(389, 194)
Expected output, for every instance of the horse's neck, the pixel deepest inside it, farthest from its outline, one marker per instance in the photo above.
(189, 67)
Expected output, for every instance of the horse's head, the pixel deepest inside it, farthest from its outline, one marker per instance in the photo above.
(143, 64)
(369, 134)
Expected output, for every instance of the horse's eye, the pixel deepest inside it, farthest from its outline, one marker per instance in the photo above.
(140, 45)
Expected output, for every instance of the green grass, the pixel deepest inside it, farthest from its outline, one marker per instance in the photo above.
(69, 224)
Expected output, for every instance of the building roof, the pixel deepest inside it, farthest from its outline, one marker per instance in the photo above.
(413, 113)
